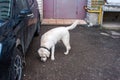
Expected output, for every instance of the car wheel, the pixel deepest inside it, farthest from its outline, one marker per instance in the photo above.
(16, 67)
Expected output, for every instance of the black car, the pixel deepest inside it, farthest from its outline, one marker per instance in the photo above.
(19, 22)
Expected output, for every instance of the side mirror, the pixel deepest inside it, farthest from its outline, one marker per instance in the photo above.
(24, 13)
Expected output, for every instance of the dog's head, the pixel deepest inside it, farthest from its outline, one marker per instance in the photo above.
(44, 54)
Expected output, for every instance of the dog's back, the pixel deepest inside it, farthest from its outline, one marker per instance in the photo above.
(56, 34)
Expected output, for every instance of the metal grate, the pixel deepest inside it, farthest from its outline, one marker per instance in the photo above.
(97, 3)
(5, 6)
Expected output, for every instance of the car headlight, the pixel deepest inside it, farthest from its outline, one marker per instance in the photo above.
(0, 48)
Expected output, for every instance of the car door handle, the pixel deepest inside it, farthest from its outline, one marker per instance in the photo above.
(30, 15)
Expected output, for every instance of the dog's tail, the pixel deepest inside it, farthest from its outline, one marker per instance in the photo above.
(73, 25)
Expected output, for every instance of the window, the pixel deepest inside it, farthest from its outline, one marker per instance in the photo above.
(30, 2)
(21, 4)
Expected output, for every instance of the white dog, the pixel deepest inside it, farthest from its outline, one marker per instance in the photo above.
(50, 38)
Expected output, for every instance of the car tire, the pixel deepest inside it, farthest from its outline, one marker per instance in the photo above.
(16, 67)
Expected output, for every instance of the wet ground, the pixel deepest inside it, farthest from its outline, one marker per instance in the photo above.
(93, 57)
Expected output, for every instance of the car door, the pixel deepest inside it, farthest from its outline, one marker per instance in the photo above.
(32, 22)
(22, 10)
(28, 13)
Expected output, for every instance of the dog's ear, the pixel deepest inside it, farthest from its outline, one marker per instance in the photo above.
(39, 51)
(48, 54)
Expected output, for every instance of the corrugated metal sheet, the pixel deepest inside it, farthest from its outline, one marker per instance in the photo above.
(111, 8)
(64, 9)
(40, 6)
(113, 1)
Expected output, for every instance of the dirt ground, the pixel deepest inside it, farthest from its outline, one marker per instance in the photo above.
(93, 57)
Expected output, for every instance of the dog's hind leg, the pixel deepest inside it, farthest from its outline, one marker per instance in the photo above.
(52, 53)
(66, 42)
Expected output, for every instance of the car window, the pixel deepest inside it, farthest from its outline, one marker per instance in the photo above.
(21, 4)
(30, 2)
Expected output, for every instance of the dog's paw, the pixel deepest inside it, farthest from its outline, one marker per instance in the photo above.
(52, 58)
(66, 53)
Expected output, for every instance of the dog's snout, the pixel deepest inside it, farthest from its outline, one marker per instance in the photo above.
(44, 59)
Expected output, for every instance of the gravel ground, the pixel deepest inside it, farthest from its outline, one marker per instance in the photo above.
(93, 57)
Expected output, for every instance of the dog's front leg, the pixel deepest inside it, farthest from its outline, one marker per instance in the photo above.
(52, 54)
